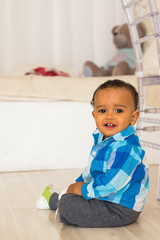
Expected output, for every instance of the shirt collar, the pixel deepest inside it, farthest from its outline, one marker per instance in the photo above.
(124, 134)
(118, 137)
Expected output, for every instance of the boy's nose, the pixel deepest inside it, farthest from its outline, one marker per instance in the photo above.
(109, 115)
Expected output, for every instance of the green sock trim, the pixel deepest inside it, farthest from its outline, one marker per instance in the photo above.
(47, 193)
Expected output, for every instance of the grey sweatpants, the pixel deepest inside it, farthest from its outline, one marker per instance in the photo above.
(76, 210)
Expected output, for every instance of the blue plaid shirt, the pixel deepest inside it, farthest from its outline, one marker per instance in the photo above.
(116, 172)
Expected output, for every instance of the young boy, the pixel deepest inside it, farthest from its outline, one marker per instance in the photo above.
(111, 191)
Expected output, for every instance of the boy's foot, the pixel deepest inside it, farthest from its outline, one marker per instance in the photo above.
(43, 200)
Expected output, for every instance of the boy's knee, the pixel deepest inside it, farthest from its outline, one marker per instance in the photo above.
(64, 203)
(68, 210)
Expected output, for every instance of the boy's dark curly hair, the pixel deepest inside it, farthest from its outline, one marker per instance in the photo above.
(116, 83)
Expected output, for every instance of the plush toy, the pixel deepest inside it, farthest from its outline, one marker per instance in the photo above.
(123, 63)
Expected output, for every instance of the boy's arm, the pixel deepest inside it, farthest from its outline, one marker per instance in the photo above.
(115, 178)
(75, 188)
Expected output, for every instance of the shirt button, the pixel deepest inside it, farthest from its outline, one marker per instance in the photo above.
(94, 153)
(88, 195)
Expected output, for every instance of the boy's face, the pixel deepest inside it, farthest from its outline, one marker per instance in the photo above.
(114, 110)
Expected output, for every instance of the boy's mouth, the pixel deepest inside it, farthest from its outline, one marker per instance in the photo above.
(109, 125)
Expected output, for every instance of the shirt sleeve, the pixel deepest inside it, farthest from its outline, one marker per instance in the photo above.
(85, 176)
(80, 179)
(115, 178)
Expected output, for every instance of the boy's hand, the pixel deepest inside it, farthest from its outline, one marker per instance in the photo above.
(75, 188)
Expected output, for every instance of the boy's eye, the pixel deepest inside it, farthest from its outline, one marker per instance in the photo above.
(118, 110)
(102, 110)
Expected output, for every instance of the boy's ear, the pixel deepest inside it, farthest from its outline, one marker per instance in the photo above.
(93, 114)
(135, 117)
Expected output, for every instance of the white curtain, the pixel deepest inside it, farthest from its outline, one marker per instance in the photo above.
(63, 32)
